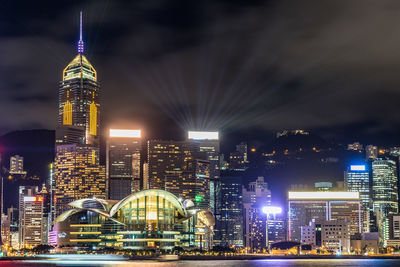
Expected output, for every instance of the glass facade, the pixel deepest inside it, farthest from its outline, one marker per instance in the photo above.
(143, 220)
(357, 180)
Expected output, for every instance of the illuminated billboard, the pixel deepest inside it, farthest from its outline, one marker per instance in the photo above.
(30, 199)
(125, 133)
(323, 195)
(357, 167)
(272, 210)
(195, 135)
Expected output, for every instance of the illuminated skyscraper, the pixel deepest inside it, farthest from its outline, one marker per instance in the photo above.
(208, 144)
(30, 216)
(165, 158)
(33, 221)
(77, 175)
(384, 189)
(123, 163)
(255, 197)
(79, 96)
(230, 232)
(174, 166)
(357, 180)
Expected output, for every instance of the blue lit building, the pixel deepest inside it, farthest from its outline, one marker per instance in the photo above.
(356, 179)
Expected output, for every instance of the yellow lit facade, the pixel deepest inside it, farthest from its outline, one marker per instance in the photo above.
(77, 175)
(67, 117)
(174, 166)
(79, 98)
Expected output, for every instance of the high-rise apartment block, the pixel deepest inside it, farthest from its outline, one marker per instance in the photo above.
(123, 163)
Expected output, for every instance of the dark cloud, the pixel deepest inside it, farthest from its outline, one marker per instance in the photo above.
(265, 65)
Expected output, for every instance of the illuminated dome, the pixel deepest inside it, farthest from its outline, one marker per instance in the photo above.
(149, 218)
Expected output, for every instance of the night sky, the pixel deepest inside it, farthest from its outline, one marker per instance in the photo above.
(247, 68)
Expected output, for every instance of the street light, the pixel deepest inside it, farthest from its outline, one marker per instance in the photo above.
(270, 210)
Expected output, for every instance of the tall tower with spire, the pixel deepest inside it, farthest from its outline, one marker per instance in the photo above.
(79, 105)
(77, 170)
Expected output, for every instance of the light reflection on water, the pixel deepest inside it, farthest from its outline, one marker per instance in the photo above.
(215, 263)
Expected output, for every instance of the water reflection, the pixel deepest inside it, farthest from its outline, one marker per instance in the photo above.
(236, 263)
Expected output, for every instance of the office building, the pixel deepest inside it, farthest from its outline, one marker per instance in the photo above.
(384, 189)
(208, 144)
(177, 167)
(390, 232)
(193, 183)
(356, 179)
(77, 172)
(44, 194)
(255, 197)
(5, 231)
(77, 175)
(24, 191)
(33, 221)
(123, 163)
(231, 223)
(30, 216)
(69, 134)
(13, 217)
(275, 224)
(311, 234)
(303, 207)
(334, 236)
(79, 95)
(166, 158)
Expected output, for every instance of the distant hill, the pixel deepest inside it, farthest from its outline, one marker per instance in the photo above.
(37, 148)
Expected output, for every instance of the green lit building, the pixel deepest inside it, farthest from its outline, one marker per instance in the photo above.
(149, 219)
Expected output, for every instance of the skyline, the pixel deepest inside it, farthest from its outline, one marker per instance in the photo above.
(170, 48)
(141, 161)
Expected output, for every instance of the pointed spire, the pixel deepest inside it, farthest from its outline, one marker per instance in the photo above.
(80, 42)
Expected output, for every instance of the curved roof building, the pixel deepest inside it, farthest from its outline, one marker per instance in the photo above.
(147, 219)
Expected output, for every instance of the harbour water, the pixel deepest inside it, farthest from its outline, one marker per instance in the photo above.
(211, 263)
